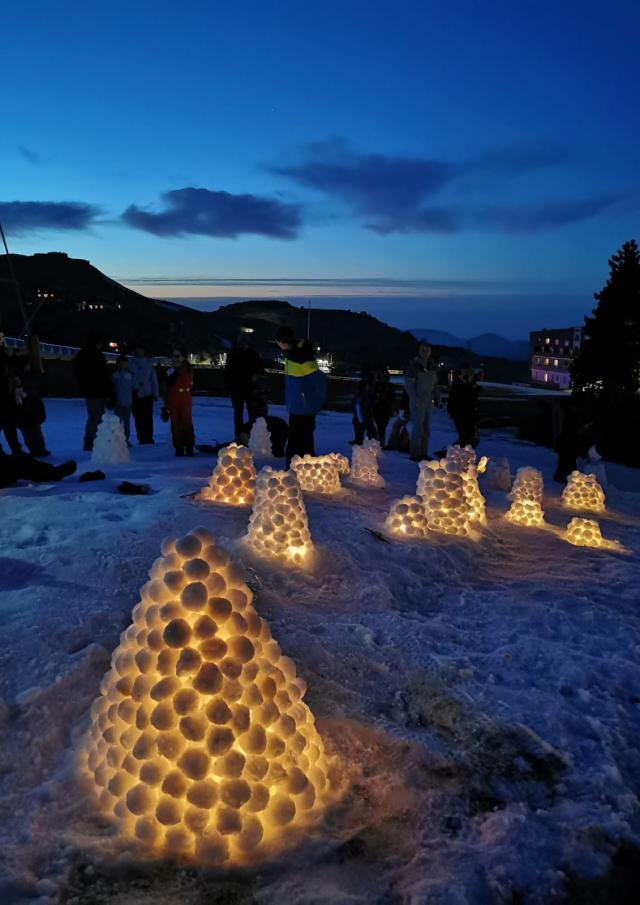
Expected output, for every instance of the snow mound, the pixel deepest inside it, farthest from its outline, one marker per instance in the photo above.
(110, 446)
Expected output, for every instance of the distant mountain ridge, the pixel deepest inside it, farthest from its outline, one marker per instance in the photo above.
(485, 344)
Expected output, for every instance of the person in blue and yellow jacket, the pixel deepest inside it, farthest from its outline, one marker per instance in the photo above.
(305, 390)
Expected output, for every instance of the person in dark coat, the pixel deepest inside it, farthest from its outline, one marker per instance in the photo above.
(305, 391)
(21, 466)
(242, 366)
(94, 380)
(145, 391)
(384, 402)
(575, 431)
(8, 408)
(462, 406)
(363, 419)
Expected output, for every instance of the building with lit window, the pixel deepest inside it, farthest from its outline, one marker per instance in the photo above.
(552, 354)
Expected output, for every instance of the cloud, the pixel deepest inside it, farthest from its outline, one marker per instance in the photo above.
(547, 215)
(21, 217)
(220, 214)
(32, 156)
(401, 194)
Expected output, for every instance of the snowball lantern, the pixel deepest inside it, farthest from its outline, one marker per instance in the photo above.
(364, 467)
(499, 475)
(260, 440)
(110, 445)
(585, 532)
(408, 517)
(200, 744)
(234, 478)
(317, 473)
(526, 497)
(583, 492)
(278, 527)
(442, 487)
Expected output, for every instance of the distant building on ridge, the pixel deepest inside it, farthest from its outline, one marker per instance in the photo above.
(552, 352)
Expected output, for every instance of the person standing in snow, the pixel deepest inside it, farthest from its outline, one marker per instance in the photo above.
(384, 402)
(178, 403)
(363, 400)
(122, 381)
(145, 391)
(462, 406)
(421, 385)
(92, 375)
(305, 391)
(241, 369)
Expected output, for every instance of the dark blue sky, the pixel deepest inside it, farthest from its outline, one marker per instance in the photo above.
(466, 166)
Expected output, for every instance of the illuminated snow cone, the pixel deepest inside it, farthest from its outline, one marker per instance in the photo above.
(441, 486)
(318, 474)
(499, 475)
(583, 492)
(407, 518)
(585, 532)
(234, 478)
(260, 440)
(110, 446)
(278, 527)
(526, 497)
(200, 744)
(364, 468)
(465, 457)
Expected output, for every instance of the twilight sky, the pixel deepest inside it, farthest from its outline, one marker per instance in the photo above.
(467, 167)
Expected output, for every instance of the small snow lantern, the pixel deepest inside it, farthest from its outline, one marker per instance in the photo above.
(408, 518)
(317, 473)
(499, 475)
(585, 532)
(260, 440)
(278, 527)
(364, 468)
(200, 745)
(340, 463)
(442, 487)
(526, 497)
(582, 491)
(110, 446)
(234, 478)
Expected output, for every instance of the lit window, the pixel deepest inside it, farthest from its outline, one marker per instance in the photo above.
(556, 362)
(547, 339)
(546, 377)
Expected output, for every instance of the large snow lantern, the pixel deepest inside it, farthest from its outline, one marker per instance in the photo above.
(110, 445)
(364, 467)
(200, 744)
(526, 497)
(278, 527)
(441, 485)
(582, 491)
(260, 440)
(585, 532)
(465, 457)
(234, 478)
(408, 517)
(317, 473)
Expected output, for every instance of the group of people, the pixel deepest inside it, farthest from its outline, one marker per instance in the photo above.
(131, 388)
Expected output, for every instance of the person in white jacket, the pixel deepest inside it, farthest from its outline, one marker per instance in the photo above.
(145, 390)
(421, 385)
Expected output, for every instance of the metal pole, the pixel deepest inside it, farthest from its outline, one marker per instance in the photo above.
(309, 321)
(15, 282)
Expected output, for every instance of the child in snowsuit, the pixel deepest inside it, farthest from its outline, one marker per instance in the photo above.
(178, 403)
(122, 381)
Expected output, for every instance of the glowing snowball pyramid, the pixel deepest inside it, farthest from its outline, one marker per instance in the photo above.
(526, 498)
(200, 744)
(583, 491)
(278, 527)
(317, 474)
(441, 486)
(408, 518)
(364, 467)
(110, 445)
(233, 479)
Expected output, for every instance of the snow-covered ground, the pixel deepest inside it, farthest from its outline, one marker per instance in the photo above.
(483, 698)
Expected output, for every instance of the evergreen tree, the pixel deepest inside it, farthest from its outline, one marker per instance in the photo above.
(610, 356)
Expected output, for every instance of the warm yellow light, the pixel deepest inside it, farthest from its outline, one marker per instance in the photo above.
(407, 516)
(441, 486)
(583, 492)
(278, 527)
(317, 474)
(200, 744)
(585, 532)
(234, 478)
(526, 497)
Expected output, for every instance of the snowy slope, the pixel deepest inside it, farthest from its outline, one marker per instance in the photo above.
(484, 698)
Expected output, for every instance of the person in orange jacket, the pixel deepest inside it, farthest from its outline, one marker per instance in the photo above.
(178, 403)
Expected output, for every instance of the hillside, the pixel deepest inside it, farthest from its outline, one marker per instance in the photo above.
(69, 298)
(491, 344)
